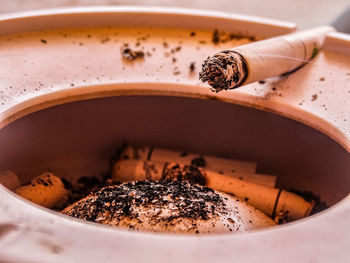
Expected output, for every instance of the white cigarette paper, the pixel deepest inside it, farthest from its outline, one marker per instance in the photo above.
(46, 190)
(9, 179)
(256, 61)
(266, 199)
(238, 169)
(276, 56)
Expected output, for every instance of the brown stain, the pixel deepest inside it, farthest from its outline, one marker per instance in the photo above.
(51, 247)
(213, 98)
(5, 229)
(269, 95)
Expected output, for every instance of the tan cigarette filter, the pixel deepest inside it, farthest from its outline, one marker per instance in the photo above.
(266, 199)
(46, 190)
(9, 179)
(278, 55)
(210, 162)
(238, 169)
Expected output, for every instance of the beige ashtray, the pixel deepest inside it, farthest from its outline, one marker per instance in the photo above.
(68, 99)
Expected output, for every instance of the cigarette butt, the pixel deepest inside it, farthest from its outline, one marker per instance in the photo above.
(46, 190)
(266, 199)
(136, 170)
(249, 63)
(208, 162)
(9, 179)
(261, 179)
(235, 168)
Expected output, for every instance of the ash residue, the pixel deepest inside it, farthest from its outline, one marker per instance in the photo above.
(84, 186)
(192, 66)
(223, 37)
(188, 173)
(223, 71)
(117, 202)
(199, 162)
(216, 37)
(130, 54)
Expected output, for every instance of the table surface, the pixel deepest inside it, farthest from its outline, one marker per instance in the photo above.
(305, 13)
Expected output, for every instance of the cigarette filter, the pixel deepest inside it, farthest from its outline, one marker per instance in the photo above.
(46, 190)
(238, 169)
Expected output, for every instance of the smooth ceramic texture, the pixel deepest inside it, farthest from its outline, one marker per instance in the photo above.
(80, 67)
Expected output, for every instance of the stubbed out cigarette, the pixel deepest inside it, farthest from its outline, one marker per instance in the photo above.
(249, 63)
(9, 179)
(266, 199)
(46, 190)
(208, 162)
(238, 169)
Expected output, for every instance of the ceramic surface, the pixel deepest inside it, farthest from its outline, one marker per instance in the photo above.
(51, 58)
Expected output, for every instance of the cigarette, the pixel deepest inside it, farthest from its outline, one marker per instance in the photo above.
(209, 162)
(238, 169)
(257, 61)
(271, 201)
(9, 179)
(46, 190)
(266, 199)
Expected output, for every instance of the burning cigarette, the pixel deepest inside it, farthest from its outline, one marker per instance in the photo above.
(235, 168)
(266, 199)
(9, 179)
(249, 63)
(46, 190)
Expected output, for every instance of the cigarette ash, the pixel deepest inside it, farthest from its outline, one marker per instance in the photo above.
(130, 54)
(188, 173)
(223, 37)
(199, 162)
(192, 67)
(115, 203)
(83, 187)
(45, 181)
(225, 70)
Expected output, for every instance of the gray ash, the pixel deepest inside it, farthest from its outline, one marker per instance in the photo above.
(225, 70)
(113, 202)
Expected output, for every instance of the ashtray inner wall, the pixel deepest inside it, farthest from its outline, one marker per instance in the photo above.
(80, 138)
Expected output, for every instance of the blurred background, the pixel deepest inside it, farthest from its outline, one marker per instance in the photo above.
(306, 13)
